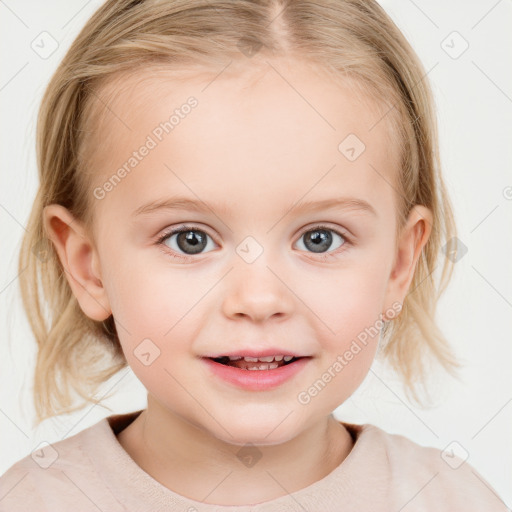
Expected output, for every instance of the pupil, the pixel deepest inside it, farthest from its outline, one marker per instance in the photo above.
(321, 240)
(194, 238)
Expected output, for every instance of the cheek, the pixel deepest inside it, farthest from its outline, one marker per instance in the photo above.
(347, 300)
(347, 319)
(158, 313)
(149, 299)
(156, 321)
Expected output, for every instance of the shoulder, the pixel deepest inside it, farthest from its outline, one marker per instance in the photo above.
(424, 477)
(59, 476)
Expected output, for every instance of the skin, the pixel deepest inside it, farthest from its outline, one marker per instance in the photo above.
(254, 145)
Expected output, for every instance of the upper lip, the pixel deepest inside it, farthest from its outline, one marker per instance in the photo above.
(256, 353)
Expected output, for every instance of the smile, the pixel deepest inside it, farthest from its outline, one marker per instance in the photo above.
(256, 363)
(255, 374)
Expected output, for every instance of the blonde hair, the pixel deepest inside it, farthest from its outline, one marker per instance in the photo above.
(350, 39)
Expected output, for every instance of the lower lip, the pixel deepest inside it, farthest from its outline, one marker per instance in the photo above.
(256, 380)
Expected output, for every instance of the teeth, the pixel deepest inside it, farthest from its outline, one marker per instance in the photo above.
(266, 359)
(263, 367)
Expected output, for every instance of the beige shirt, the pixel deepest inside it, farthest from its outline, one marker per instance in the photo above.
(90, 471)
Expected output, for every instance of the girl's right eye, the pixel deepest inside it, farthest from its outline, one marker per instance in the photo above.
(190, 240)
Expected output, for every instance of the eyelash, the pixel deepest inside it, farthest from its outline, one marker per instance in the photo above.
(322, 256)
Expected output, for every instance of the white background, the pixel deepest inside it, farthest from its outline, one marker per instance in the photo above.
(474, 98)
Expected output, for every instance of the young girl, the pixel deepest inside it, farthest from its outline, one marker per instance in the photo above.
(293, 146)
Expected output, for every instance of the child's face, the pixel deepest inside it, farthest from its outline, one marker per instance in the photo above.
(250, 150)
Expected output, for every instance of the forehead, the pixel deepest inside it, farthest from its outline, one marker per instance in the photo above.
(278, 127)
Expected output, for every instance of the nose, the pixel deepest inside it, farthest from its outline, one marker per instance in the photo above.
(257, 292)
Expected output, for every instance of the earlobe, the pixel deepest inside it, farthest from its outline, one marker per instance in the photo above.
(414, 236)
(79, 259)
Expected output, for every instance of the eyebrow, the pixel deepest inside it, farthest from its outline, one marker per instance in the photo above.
(184, 203)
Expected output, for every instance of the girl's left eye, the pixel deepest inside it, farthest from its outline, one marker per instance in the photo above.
(320, 238)
(192, 241)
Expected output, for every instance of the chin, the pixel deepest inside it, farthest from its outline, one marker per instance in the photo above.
(260, 435)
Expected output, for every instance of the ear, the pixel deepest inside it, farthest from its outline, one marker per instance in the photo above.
(413, 238)
(79, 259)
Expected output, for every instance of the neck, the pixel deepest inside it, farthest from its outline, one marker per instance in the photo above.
(193, 463)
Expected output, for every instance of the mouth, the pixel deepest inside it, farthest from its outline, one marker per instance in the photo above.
(256, 363)
(272, 370)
